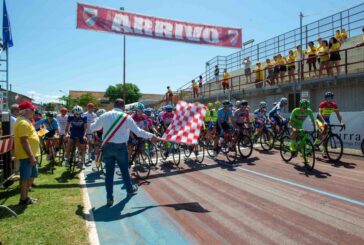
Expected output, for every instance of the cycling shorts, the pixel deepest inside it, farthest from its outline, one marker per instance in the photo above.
(49, 135)
(258, 123)
(277, 120)
(225, 127)
(81, 140)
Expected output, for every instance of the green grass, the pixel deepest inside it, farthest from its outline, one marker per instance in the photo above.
(57, 218)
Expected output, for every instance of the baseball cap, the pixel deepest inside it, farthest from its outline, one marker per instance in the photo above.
(26, 105)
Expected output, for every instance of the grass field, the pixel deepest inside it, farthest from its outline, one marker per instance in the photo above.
(55, 219)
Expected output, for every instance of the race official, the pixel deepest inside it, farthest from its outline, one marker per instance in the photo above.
(116, 148)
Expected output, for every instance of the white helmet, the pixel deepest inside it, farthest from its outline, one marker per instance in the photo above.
(77, 110)
(100, 112)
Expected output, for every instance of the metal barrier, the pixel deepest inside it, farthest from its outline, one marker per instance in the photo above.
(352, 61)
(351, 19)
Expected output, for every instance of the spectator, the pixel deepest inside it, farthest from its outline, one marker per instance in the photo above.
(276, 69)
(338, 35)
(14, 113)
(319, 44)
(169, 96)
(225, 82)
(259, 75)
(300, 56)
(247, 71)
(194, 88)
(362, 42)
(281, 61)
(115, 148)
(200, 83)
(216, 72)
(269, 66)
(291, 66)
(323, 53)
(26, 146)
(334, 47)
(311, 60)
(343, 35)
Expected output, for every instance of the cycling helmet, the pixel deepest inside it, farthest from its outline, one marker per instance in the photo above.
(304, 103)
(49, 114)
(100, 112)
(262, 104)
(226, 103)
(169, 108)
(284, 100)
(237, 103)
(244, 103)
(77, 110)
(148, 111)
(209, 105)
(217, 103)
(139, 106)
(329, 95)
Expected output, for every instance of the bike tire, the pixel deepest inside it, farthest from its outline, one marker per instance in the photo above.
(209, 146)
(267, 140)
(362, 146)
(199, 152)
(186, 150)
(40, 160)
(142, 165)
(152, 151)
(162, 150)
(334, 147)
(309, 155)
(176, 154)
(245, 146)
(284, 149)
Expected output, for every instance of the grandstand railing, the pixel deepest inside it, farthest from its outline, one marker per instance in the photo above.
(352, 61)
(351, 19)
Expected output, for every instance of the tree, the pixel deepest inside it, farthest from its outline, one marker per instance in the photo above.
(50, 107)
(132, 92)
(87, 98)
(69, 101)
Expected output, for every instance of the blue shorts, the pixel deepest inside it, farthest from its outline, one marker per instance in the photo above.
(80, 139)
(26, 170)
(278, 120)
(258, 123)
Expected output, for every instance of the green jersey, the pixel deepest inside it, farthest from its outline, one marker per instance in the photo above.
(298, 117)
(211, 116)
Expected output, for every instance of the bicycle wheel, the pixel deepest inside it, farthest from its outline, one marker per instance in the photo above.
(334, 147)
(362, 146)
(152, 151)
(187, 150)
(72, 160)
(232, 153)
(60, 155)
(142, 165)
(199, 152)
(162, 150)
(267, 140)
(209, 146)
(245, 146)
(41, 150)
(285, 150)
(308, 155)
(52, 160)
(176, 154)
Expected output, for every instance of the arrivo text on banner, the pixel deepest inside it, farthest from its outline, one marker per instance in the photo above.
(101, 19)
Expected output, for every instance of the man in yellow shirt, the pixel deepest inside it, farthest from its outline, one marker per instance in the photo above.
(26, 148)
(259, 75)
(225, 82)
(343, 35)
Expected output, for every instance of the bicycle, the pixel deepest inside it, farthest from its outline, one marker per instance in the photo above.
(198, 151)
(332, 143)
(266, 138)
(76, 159)
(170, 147)
(141, 160)
(304, 146)
(152, 150)
(284, 131)
(244, 141)
(60, 150)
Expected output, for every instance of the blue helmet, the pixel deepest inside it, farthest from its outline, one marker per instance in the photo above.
(148, 111)
(169, 108)
(139, 106)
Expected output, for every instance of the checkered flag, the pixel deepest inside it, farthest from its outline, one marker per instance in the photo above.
(186, 124)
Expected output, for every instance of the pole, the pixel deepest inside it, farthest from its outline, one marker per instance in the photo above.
(7, 77)
(124, 64)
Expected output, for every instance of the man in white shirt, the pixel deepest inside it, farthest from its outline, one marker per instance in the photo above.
(247, 70)
(91, 117)
(116, 148)
(14, 113)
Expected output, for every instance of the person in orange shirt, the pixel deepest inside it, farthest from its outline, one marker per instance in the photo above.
(195, 89)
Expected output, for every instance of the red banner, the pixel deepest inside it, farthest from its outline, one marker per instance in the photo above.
(100, 19)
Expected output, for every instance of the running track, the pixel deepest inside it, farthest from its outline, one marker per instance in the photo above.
(261, 200)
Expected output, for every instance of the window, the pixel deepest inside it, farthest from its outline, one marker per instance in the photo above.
(291, 104)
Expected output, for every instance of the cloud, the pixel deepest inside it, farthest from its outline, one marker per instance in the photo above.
(43, 98)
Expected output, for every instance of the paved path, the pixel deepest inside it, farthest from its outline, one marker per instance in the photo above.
(259, 201)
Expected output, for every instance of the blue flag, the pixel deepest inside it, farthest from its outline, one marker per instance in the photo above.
(7, 38)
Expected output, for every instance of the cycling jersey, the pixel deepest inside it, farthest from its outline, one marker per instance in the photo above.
(298, 117)
(62, 121)
(77, 127)
(167, 117)
(50, 126)
(91, 117)
(141, 121)
(211, 116)
(224, 115)
(326, 108)
(276, 110)
(240, 116)
(260, 115)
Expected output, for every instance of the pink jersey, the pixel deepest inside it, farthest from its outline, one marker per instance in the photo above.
(167, 117)
(141, 121)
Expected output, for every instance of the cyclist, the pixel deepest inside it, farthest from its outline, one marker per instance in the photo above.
(150, 124)
(275, 115)
(167, 116)
(91, 117)
(218, 105)
(76, 129)
(62, 121)
(241, 115)
(97, 136)
(298, 116)
(52, 126)
(208, 116)
(224, 120)
(260, 117)
(326, 108)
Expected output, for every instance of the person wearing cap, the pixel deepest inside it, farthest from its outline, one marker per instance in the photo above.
(91, 117)
(26, 150)
(115, 149)
(14, 113)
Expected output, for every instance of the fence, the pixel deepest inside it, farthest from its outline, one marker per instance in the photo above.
(352, 61)
(350, 19)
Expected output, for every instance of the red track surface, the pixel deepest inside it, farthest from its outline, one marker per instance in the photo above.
(244, 208)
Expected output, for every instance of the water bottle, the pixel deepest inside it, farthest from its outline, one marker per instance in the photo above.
(221, 141)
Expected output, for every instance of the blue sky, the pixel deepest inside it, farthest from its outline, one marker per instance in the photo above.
(50, 54)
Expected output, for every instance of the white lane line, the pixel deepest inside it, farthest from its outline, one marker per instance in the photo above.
(89, 217)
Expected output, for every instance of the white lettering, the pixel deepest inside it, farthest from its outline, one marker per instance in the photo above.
(121, 23)
(210, 35)
(178, 31)
(143, 26)
(163, 29)
(193, 33)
